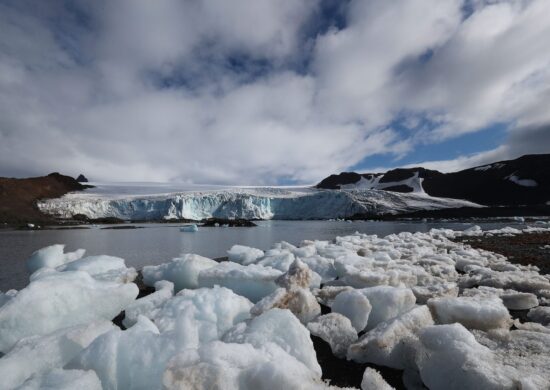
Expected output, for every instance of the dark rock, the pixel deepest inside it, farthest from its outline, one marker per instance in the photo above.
(143, 289)
(18, 197)
(82, 179)
(524, 249)
(406, 173)
(228, 222)
(345, 373)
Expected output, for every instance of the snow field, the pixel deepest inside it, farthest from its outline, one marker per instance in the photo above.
(421, 303)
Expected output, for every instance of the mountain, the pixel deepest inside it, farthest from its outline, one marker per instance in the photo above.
(523, 181)
(18, 197)
(81, 179)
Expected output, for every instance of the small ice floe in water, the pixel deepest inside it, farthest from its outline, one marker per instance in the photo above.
(189, 228)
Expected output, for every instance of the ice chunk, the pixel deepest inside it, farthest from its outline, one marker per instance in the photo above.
(244, 254)
(304, 251)
(472, 312)
(149, 305)
(327, 294)
(540, 314)
(451, 358)
(7, 296)
(202, 315)
(52, 256)
(324, 267)
(523, 355)
(108, 268)
(513, 300)
(60, 300)
(372, 380)
(39, 354)
(189, 228)
(387, 303)
(280, 261)
(298, 276)
(355, 306)
(252, 281)
(282, 328)
(182, 271)
(63, 380)
(423, 293)
(131, 359)
(239, 366)
(391, 343)
(300, 301)
(336, 330)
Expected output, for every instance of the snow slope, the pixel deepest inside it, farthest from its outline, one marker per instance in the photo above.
(238, 202)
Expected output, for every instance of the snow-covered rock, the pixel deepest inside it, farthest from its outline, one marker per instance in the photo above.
(472, 312)
(252, 281)
(182, 271)
(51, 257)
(336, 330)
(60, 300)
(355, 306)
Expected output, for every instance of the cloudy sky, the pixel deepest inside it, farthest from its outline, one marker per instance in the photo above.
(269, 91)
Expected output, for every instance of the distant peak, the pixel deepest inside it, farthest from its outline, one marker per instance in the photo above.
(81, 179)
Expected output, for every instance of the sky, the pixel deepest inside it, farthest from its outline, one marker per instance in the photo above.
(269, 91)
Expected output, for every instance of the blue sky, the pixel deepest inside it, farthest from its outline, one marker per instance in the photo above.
(269, 92)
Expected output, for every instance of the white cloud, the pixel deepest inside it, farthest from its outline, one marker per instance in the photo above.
(216, 91)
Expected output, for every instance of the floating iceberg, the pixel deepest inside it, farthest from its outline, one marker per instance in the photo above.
(189, 228)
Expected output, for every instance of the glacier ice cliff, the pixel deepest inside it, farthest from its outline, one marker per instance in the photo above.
(247, 203)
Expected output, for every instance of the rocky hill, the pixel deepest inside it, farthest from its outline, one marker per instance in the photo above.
(18, 197)
(523, 181)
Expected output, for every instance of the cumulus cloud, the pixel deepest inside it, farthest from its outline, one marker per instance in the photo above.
(262, 91)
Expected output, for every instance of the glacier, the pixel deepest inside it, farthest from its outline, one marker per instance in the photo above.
(288, 203)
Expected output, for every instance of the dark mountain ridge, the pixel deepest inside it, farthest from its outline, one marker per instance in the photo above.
(18, 197)
(523, 181)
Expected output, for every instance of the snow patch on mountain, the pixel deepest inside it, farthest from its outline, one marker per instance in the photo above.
(522, 182)
(373, 183)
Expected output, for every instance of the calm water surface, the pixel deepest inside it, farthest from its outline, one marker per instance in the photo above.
(158, 243)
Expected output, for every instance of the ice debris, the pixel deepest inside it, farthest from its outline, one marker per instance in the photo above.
(182, 271)
(437, 309)
(59, 300)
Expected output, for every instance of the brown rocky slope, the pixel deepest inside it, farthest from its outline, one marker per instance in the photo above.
(18, 197)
